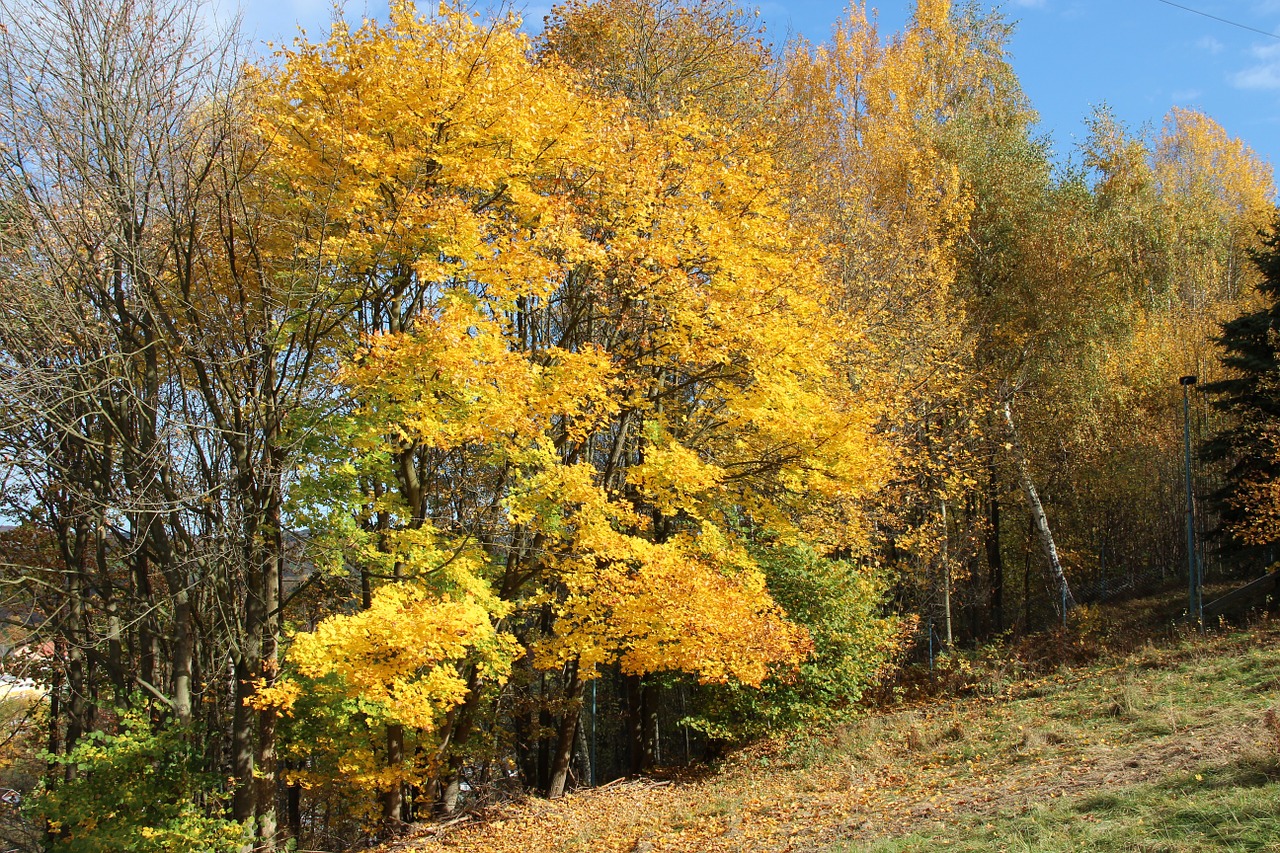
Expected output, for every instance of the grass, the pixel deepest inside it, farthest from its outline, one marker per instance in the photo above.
(1166, 749)
(1234, 808)
(1075, 742)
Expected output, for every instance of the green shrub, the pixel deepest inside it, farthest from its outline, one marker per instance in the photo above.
(842, 605)
(136, 791)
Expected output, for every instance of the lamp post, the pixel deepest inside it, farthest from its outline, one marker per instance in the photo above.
(1194, 603)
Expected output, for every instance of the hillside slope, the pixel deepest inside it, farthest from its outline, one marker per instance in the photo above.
(1169, 748)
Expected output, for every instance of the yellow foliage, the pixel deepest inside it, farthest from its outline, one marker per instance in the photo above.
(684, 605)
(625, 348)
(665, 55)
(426, 143)
(455, 381)
(402, 653)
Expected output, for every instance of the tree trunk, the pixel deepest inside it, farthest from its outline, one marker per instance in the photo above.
(544, 724)
(451, 792)
(582, 769)
(183, 652)
(995, 556)
(393, 797)
(242, 801)
(649, 697)
(1039, 520)
(293, 810)
(636, 750)
(181, 663)
(77, 680)
(273, 575)
(946, 577)
(253, 734)
(148, 640)
(456, 731)
(977, 616)
(565, 734)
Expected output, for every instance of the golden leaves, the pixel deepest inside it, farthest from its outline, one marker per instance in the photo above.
(626, 346)
(456, 380)
(401, 653)
(428, 139)
(676, 606)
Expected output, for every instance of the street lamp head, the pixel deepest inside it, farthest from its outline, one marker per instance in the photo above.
(1187, 380)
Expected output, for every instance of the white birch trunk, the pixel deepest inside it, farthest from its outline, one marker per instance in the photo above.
(1038, 518)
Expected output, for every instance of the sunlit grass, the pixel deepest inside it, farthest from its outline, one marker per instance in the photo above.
(1230, 808)
(1180, 752)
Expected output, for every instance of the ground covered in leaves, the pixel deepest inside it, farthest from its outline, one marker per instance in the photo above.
(1172, 746)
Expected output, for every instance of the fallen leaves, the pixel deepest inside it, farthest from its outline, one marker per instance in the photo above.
(774, 797)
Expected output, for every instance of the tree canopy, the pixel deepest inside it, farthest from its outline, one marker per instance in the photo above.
(434, 410)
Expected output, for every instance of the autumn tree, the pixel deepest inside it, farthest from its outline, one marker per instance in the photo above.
(665, 56)
(1020, 279)
(877, 168)
(104, 103)
(87, 191)
(1176, 215)
(365, 409)
(575, 431)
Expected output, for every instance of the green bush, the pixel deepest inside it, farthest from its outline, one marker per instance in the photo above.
(137, 791)
(842, 605)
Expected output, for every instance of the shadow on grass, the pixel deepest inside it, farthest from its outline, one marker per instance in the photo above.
(1230, 807)
(1244, 774)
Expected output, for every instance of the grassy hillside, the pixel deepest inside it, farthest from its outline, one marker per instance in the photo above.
(1172, 745)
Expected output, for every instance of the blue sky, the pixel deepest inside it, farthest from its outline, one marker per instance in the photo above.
(1141, 57)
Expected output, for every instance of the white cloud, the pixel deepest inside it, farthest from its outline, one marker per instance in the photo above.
(1264, 73)
(1209, 44)
(1031, 4)
(1263, 76)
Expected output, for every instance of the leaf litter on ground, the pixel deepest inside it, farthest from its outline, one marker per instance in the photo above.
(1192, 708)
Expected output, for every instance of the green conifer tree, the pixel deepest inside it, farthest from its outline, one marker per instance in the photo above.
(1249, 447)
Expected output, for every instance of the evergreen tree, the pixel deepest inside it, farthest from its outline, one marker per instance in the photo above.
(1249, 448)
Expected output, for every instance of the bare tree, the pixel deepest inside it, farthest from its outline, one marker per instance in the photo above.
(151, 354)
